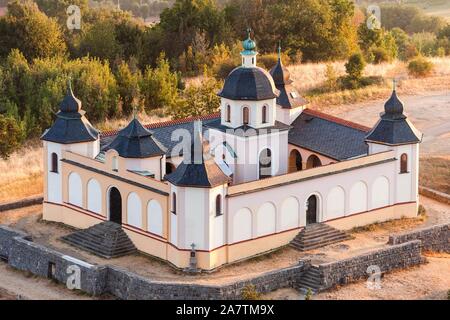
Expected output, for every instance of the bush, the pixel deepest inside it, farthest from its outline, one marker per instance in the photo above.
(355, 66)
(421, 211)
(11, 136)
(380, 55)
(268, 61)
(250, 293)
(420, 67)
(308, 294)
(448, 295)
(222, 70)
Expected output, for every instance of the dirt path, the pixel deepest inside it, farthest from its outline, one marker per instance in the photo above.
(429, 112)
(16, 285)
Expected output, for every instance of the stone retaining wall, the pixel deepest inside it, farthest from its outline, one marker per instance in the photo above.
(26, 202)
(434, 194)
(349, 270)
(25, 255)
(435, 238)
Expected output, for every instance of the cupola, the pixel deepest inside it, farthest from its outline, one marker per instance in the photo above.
(393, 127)
(70, 126)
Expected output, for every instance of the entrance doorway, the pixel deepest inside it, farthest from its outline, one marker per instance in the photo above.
(115, 205)
(311, 210)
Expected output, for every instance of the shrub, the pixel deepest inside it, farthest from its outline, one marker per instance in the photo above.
(380, 55)
(11, 136)
(308, 294)
(250, 293)
(268, 61)
(420, 67)
(448, 295)
(355, 66)
(222, 70)
(421, 210)
(331, 77)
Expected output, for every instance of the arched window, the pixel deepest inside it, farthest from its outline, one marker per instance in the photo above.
(245, 115)
(115, 164)
(313, 162)
(264, 114)
(404, 163)
(174, 203)
(54, 166)
(218, 205)
(228, 113)
(295, 161)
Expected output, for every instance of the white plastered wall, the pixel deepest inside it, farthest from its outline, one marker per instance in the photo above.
(333, 192)
(245, 166)
(255, 112)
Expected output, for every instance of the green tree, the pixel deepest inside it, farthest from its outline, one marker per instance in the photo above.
(187, 18)
(11, 136)
(354, 68)
(31, 31)
(100, 41)
(159, 86)
(128, 87)
(198, 100)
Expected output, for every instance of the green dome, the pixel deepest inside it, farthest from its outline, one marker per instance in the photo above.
(248, 44)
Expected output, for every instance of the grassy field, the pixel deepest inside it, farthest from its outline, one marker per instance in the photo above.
(435, 174)
(439, 8)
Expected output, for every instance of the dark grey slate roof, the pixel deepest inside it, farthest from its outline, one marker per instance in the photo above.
(70, 126)
(394, 128)
(327, 137)
(70, 103)
(289, 96)
(163, 135)
(200, 170)
(249, 84)
(280, 74)
(134, 141)
(245, 130)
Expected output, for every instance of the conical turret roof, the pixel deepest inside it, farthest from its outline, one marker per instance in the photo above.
(135, 141)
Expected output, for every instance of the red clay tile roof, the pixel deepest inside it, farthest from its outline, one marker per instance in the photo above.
(341, 121)
(167, 123)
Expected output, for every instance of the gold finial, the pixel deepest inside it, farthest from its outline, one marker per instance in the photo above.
(394, 84)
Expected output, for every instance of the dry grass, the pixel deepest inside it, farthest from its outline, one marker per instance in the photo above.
(435, 174)
(21, 174)
(398, 224)
(112, 124)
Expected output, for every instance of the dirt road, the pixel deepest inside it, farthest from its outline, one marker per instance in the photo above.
(430, 113)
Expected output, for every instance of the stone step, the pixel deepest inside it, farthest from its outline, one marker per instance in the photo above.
(106, 239)
(322, 241)
(316, 246)
(310, 235)
(316, 236)
(325, 238)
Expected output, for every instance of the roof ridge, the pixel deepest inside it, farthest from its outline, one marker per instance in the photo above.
(337, 120)
(167, 123)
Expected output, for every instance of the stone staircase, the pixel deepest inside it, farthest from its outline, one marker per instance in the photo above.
(317, 235)
(309, 280)
(106, 240)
